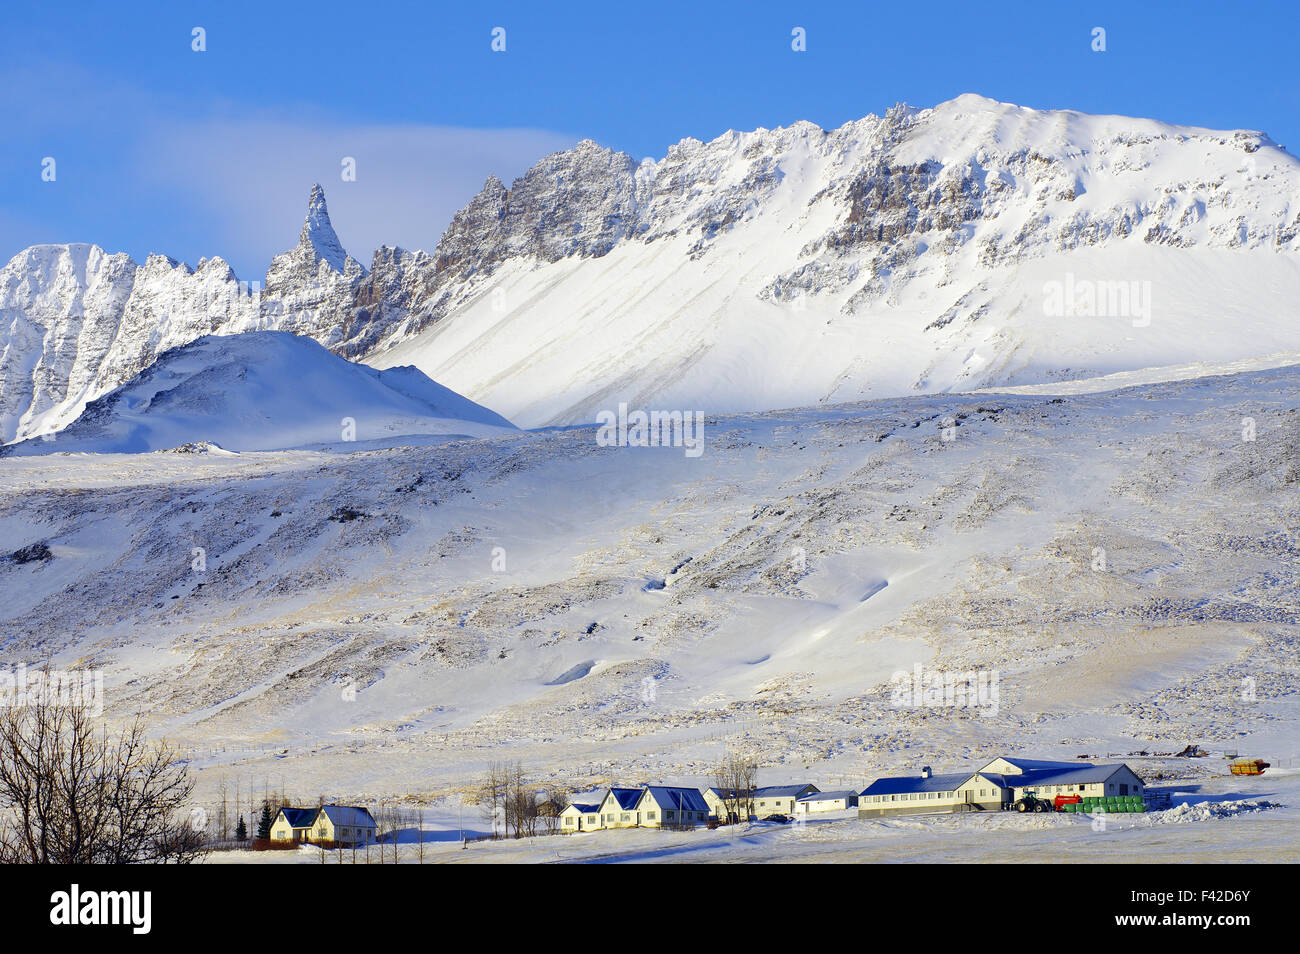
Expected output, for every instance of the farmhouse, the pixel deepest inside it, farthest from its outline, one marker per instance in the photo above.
(343, 825)
(663, 807)
(779, 799)
(580, 816)
(730, 806)
(650, 806)
(995, 787)
(293, 824)
(815, 802)
(618, 808)
(340, 824)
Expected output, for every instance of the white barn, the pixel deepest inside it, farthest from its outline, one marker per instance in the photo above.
(815, 802)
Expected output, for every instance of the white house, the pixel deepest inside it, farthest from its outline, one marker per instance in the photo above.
(815, 802)
(725, 805)
(779, 799)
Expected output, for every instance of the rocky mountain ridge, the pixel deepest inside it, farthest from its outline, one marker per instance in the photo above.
(905, 231)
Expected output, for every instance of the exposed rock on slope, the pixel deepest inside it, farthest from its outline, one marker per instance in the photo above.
(762, 269)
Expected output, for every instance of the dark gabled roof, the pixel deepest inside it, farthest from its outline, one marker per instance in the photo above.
(299, 817)
(349, 816)
(1073, 775)
(914, 783)
(828, 796)
(783, 791)
(1026, 765)
(583, 808)
(683, 799)
(626, 797)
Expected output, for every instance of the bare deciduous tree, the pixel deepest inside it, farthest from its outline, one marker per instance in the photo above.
(492, 795)
(70, 794)
(736, 776)
(552, 809)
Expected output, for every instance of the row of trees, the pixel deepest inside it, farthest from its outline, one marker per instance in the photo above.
(517, 808)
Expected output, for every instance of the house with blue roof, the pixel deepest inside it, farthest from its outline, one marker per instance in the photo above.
(618, 808)
(581, 816)
(331, 824)
(343, 825)
(293, 824)
(779, 799)
(663, 806)
(648, 806)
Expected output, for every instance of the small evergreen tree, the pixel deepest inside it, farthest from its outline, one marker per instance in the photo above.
(241, 830)
(264, 823)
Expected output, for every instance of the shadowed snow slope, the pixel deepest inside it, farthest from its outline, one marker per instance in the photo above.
(265, 390)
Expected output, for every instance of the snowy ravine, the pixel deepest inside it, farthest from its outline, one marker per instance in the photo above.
(910, 253)
(387, 621)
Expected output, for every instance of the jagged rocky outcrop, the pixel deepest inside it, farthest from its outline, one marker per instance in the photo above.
(929, 211)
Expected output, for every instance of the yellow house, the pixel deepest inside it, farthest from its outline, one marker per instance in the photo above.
(661, 806)
(580, 816)
(293, 824)
(343, 825)
(618, 808)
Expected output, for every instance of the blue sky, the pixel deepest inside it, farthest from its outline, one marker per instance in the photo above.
(162, 149)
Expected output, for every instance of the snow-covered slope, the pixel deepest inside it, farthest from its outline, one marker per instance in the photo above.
(264, 390)
(925, 250)
(392, 621)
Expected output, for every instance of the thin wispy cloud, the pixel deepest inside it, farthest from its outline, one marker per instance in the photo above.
(145, 171)
(250, 178)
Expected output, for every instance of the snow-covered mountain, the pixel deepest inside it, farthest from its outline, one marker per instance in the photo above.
(264, 390)
(969, 245)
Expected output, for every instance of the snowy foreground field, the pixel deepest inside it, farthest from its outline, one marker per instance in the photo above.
(376, 626)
